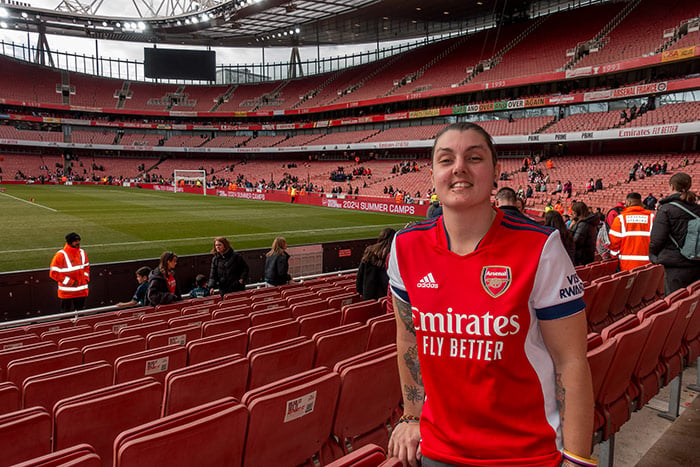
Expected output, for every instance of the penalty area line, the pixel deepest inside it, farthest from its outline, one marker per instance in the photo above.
(29, 202)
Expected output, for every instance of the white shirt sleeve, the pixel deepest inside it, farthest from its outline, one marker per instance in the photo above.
(557, 291)
(395, 280)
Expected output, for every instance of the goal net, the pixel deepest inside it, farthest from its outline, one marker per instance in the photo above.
(196, 178)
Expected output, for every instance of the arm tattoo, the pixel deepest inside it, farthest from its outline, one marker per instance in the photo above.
(561, 396)
(406, 314)
(412, 363)
(413, 394)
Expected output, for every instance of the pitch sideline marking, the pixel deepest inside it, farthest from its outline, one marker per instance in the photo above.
(209, 237)
(29, 202)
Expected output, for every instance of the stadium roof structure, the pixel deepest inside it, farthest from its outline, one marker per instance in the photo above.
(257, 23)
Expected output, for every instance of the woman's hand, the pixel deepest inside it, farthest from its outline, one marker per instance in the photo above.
(404, 443)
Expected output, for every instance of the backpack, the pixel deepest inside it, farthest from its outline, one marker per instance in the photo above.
(691, 243)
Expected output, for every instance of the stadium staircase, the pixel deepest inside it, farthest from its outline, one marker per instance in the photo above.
(408, 79)
(600, 39)
(271, 98)
(123, 94)
(224, 98)
(349, 90)
(317, 90)
(493, 61)
(678, 33)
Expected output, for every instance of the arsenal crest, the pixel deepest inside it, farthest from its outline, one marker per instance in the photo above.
(495, 280)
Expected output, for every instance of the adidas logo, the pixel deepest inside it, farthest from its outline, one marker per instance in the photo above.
(428, 282)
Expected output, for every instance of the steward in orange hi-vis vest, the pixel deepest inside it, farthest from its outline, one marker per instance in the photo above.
(630, 233)
(71, 270)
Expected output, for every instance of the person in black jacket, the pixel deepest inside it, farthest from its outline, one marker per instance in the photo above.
(372, 279)
(277, 263)
(229, 271)
(162, 286)
(585, 231)
(671, 223)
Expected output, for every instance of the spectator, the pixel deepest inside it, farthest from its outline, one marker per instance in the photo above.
(568, 188)
(629, 234)
(506, 201)
(372, 280)
(70, 268)
(584, 228)
(277, 263)
(229, 271)
(598, 184)
(201, 289)
(432, 268)
(162, 286)
(669, 233)
(556, 221)
(650, 202)
(139, 298)
(434, 210)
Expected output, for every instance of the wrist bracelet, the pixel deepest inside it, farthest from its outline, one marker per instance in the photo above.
(578, 460)
(408, 418)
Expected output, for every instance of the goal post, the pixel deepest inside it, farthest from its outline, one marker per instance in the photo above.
(191, 177)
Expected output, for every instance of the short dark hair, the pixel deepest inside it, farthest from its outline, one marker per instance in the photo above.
(71, 237)
(635, 196)
(466, 126)
(143, 271)
(200, 280)
(507, 194)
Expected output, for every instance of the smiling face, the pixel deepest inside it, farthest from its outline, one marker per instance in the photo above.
(463, 170)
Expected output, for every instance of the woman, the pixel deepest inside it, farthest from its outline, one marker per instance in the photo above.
(553, 219)
(372, 280)
(486, 306)
(162, 286)
(669, 231)
(229, 271)
(277, 263)
(584, 228)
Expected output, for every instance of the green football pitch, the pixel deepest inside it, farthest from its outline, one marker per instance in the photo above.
(118, 224)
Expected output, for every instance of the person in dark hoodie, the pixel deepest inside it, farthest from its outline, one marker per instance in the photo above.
(372, 279)
(584, 228)
(277, 263)
(229, 271)
(669, 231)
(162, 286)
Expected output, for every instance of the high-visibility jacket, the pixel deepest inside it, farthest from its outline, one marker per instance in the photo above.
(71, 269)
(629, 237)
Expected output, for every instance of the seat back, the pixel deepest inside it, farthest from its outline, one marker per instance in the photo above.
(318, 321)
(21, 369)
(656, 283)
(231, 311)
(277, 361)
(160, 316)
(265, 317)
(599, 359)
(92, 320)
(693, 329)
(210, 434)
(24, 434)
(136, 312)
(360, 312)
(624, 324)
(382, 331)
(12, 332)
(78, 342)
(115, 325)
(154, 363)
(197, 309)
(369, 455)
(143, 329)
(338, 344)
(97, 417)
(624, 289)
(599, 312)
(9, 398)
(224, 325)
(111, 350)
(219, 345)
(197, 319)
(205, 382)
(339, 301)
(14, 342)
(636, 296)
(308, 307)
(45, 389)
(297, 416)
(8, 355)
(266, 334)
(59, 334)
(81, 455)
(176, 336)
(40, 328)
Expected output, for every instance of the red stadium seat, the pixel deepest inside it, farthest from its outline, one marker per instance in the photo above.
(111, 350)
(59, 334)
(197, 309)
(177, 336)
(360, 312)
(691, 338)
(155, 363)
(296, 413)
(270, 316)
(277, 361)
(160, 316)
(598, 314)
(12, 332)
(20, 369)
(641, 284)
(232, 311)
(9, 398)
(6, 356)
(223, 325)
(382, 331)
(210, 434)
(219, 345)
(97, 417)
(81, 455)
(340, 343)
(311, 306)
(78, 342)
(205, 382)
(137, 312)
(197, 319)
(91, 320)
(142, 329)
(24, 434)
(266, 334)
(14, 342)
(671, 355)
(116, 324)
(41, 328)
(369, 455)
(45, 389)
(339, 301)
(655, 282)
(318, 321)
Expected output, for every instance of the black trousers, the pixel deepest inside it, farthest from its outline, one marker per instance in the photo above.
(72, 304)
(677, 278)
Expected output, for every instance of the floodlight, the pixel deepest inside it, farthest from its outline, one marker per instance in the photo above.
(3, 13)
(3, 25)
